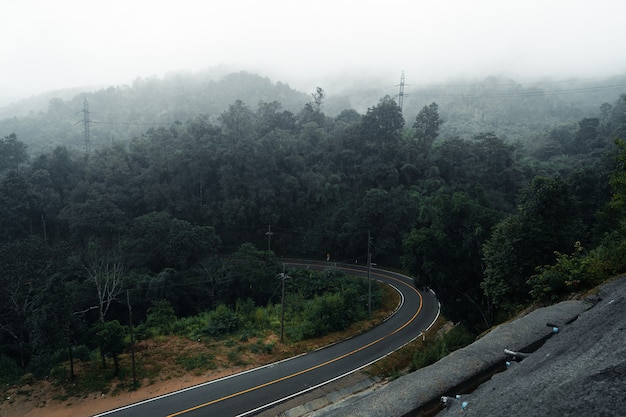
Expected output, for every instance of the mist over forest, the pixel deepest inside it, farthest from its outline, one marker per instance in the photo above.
(494, 193)
(515, 111)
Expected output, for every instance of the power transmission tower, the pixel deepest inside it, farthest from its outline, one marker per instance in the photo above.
(401, 93)
(86, 121)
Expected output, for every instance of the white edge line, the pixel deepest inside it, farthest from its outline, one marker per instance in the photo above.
(269, 365)
(268, 405)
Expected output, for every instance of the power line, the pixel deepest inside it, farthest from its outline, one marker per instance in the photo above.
(530, 93)
(442, 86)
(512, 82)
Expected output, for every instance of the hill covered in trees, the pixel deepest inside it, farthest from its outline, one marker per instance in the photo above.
(490, 224)
(515, 111)
(120, 113)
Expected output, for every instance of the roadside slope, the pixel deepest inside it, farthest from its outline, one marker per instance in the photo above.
(581, 370)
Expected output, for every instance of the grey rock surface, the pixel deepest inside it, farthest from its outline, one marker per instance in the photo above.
(581, 370)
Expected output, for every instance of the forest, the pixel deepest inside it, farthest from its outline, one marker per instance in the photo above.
(191, 218)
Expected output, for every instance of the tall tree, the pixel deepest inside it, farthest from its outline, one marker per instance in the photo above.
(16, 206)
(252, 274)
(546, 221)
(381, 127)
(426, 126)
(312, 111)
(110, 337)
(586, 138)
(380, 132)
(158, 241)
(12, 153)
(27, 268)
(237, 123)
(445, 254)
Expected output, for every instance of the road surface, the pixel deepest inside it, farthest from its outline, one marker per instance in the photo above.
(250, 392)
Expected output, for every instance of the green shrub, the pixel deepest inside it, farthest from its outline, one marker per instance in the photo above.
(611, 254)
(262, 317)
(222, 321)
(192, 327)
(245, 309)
(161, 318)
(570, 273)
(218, 322)
(82, 353)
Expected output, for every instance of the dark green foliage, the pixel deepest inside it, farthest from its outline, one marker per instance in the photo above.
(326, 303)
(17, 205)
(251, 275)
(570, 273)
(545, 222)
(584, 269)
(617, 181)
(222, 321)
(110, 338)
(445, 254)
(487, 162)
(426, 127)
(12, 153)
(158, 241)
(33, 313)
(9, 370)
(161, 317)
(163, 215)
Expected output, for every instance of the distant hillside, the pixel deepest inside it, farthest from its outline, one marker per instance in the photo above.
(513, 111)
(123, 112)
(38, 103)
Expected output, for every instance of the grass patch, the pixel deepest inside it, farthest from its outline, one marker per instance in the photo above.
(199, 362)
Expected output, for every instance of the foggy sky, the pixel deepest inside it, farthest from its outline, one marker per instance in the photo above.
(47, 45)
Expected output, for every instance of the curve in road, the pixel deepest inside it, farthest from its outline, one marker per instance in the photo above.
(250, 392)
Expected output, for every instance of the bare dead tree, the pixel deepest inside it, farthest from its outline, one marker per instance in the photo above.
(104, 268)
(216, 278)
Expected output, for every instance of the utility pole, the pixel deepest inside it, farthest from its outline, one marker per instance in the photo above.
(132, 339)
(369, 275)
(45, 235)
(282, 276)
(401, 93)
(86, 121)
(269, 234)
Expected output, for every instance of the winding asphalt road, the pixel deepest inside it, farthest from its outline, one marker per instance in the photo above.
(250, 392)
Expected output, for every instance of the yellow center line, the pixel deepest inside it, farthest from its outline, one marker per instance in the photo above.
(266, 384)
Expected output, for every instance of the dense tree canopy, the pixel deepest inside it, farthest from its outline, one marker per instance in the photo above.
(153, 218)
